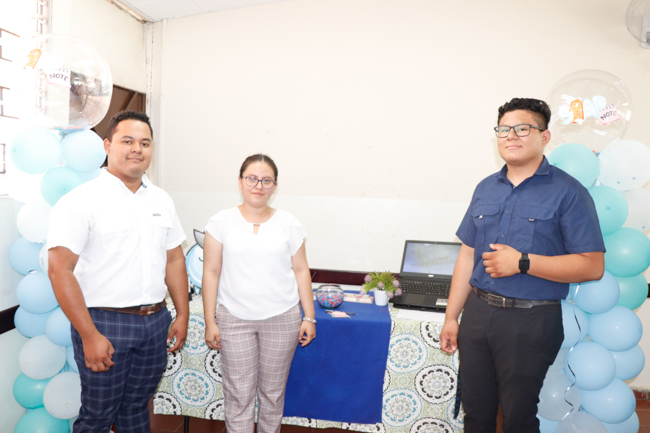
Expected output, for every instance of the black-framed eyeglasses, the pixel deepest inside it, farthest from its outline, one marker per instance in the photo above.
(521, 130)
(252, 182)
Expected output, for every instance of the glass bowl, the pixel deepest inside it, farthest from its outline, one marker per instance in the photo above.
(329, 295)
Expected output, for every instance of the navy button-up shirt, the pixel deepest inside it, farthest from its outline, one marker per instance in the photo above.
(549, 214)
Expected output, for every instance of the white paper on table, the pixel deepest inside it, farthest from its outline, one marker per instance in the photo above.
(422, 316)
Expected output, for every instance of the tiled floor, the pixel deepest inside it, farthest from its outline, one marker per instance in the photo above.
(168, 423)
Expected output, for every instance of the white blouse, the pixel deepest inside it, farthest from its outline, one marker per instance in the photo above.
(257, 280)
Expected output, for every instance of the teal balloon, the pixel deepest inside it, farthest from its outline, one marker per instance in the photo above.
(634, 291)
(35, 150)
(596, 296)
(613, 404)
(28, 392)
(35, 294)
(578, 161)
(28, 324)
(628, 252)
(57, 182)
(57, 328)
(590, 366)
(629, 363)
(611, 208)
(618, 329)
(83, 151)
(24, 256)
(630, 425)
(40, 421)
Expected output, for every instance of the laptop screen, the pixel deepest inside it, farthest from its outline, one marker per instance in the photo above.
(435, 259)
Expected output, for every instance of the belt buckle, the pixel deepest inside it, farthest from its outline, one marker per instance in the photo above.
(147, 310)
(497, 301)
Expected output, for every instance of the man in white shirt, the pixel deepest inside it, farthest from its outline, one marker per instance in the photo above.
(114, 251)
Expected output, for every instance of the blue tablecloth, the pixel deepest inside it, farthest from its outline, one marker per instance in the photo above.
(340, 375)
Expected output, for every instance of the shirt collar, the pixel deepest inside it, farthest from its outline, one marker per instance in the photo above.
(106, 175)
(542, 170)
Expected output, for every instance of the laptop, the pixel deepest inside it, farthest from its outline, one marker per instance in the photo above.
(425, 275)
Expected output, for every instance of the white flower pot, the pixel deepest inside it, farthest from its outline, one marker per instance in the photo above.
(381, 298)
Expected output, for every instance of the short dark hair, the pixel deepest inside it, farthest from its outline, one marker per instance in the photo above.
(125, 115)
(258, 157)
(540, 109)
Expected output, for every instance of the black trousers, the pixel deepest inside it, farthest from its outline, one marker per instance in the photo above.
(504, 356)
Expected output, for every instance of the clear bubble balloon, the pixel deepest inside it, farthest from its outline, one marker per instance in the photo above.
(581, 422)
(596, 296)
(611, 208)
(634, 291)
(589, 107)
(557, 398)
(628, 252)
(83, 151)
(40, 421)
(618, 329)
(39, 358)
(32, 221)
(613, 404)
(625, 165)
(74, 82)
(34, 293)
(630, 425)
(629, 363)
(62, 396)
(638, 202)
(590, 366)
(28, 392)
(23, 187)
(57, 328)
(34, 150)
(578, 161)
(23, 256)
(58, 182)
(575, 323)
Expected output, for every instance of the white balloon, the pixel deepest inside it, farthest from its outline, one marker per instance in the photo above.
(638, 203)
(625, 165)
(581, 422)
(21, 186)
(39, 358)
(62, 395)
(558, 397)
(32, 220)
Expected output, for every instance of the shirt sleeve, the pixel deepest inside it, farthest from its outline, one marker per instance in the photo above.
(579, 224)
(467, 230)
(297, 235)
(69, 225)
(215, 227)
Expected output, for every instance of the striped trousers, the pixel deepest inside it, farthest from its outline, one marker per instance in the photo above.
(256, 357)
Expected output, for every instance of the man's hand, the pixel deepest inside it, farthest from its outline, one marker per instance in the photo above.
(98, 352)
(449, 336)
(502, 262)
(178, 330)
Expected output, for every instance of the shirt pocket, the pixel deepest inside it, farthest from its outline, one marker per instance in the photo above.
(115, 232)
(529, 224)
(161, 227)
(486, 220)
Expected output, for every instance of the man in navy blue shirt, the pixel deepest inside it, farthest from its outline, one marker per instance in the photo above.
(529, 231)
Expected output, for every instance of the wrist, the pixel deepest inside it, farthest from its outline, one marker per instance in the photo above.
(309, 319)
(524, 263)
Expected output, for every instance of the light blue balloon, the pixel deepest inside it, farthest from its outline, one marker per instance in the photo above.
(69, 355)
(629, 363)
(630, 425)
(618, 329)
(613, 404)
(590, 365)
(611, 208)
(634, 291)
(57, 328)
(57, 182)
(575, 323)
(628, 252)
(581, 422)
(85, 177)
(596, 296)
(35, 294)
(40, 421)
(28, 324)
(83, 151)
(24, 256)
(35, 150)
(578, 161)
(28, 392)
(547, 426)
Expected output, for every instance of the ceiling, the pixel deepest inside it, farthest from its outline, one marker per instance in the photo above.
(157, 10)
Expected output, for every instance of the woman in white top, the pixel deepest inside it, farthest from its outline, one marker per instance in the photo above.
(254, 257)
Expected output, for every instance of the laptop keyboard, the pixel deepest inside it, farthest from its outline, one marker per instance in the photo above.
(425, 287)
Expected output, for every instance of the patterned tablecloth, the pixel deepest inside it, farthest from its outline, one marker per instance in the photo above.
(419, 384)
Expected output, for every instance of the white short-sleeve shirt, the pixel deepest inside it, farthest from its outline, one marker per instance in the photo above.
(257, 279)
(121, 239)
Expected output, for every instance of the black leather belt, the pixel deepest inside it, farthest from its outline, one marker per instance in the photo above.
(140, 310)
(502, 302)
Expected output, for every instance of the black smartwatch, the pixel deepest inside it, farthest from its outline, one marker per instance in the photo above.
(524, 263)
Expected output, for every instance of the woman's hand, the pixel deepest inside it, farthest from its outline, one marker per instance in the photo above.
(307, 333)
(212, 336)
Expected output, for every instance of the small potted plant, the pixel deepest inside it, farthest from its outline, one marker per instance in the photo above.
(384, 284)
